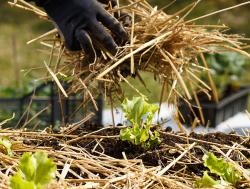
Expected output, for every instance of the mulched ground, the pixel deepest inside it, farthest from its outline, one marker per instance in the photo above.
(173, 144)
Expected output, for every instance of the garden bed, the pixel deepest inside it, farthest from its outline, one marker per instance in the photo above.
(166, 46)
(99, 159)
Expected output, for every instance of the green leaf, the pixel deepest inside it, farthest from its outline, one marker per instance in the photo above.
(155, 136)
(140, 114)
(125, 134)
(226, 64)
(154, 139)
(17, 182)
(206, 181)
(28, 166)
(4, 141)
(45, 170)
(34, 169)
(137, 108)
(144, 135)
(224, 169)
(127, 107)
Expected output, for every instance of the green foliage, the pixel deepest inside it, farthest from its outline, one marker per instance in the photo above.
(138, 109)
(7, 144)
(220, 167)
(35, 172)
(17, 182)
(229, 63)
(226, 67)
(16, 93)
(206, 181)
(225, 170)
(28, 85)
(140, 114)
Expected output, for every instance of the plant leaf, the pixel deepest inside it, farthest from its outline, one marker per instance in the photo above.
(7, 144)
(35, 171)
(125, 134)
(144, 135)
(28, 166)
(140, 114)
(45, 170)
(222, 168)
(206, 181)
(17, 182)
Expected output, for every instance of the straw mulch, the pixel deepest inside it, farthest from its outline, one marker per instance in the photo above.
(165, 45)
(86, 163)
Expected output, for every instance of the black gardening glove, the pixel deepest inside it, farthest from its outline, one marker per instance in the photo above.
(82, 22)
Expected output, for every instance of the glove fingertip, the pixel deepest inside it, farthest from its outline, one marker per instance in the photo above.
(112, 48)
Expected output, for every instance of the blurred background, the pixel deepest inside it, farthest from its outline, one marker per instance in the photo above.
(21, 65)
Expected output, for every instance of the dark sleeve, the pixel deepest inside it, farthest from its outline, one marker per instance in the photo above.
(40, 3)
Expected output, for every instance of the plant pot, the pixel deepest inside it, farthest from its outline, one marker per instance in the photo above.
(215, 113)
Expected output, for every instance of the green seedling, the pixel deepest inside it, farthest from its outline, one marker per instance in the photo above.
(7, 144)
(220, 167)
(36, 171)
(206, 181)
(140, 115)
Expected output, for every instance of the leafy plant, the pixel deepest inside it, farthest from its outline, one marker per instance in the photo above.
(225, 170)
(227, 68)
(220, 167)
(140, 115)
(27, 85)
(206, 181)
(7, 144)
(36, 171)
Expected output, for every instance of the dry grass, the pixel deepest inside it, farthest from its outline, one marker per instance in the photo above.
(81, 168)
(77, 168)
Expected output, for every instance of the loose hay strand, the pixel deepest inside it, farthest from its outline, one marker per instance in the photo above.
(56, 80)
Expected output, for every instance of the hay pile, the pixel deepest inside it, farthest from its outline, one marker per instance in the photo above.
(79, 166)
(165, 45)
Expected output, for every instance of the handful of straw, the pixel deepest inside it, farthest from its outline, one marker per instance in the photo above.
(165, 45)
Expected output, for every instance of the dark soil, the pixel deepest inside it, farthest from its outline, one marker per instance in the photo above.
(165, 152)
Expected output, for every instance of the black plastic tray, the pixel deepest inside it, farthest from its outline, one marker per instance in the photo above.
(215, 113)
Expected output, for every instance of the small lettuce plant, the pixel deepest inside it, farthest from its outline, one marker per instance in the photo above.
(225, 170)
(140, 115)
(35, 171)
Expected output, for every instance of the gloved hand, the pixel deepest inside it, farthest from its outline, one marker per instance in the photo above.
(82, 24)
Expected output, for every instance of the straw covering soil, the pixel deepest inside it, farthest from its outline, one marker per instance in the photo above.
(101, 160)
